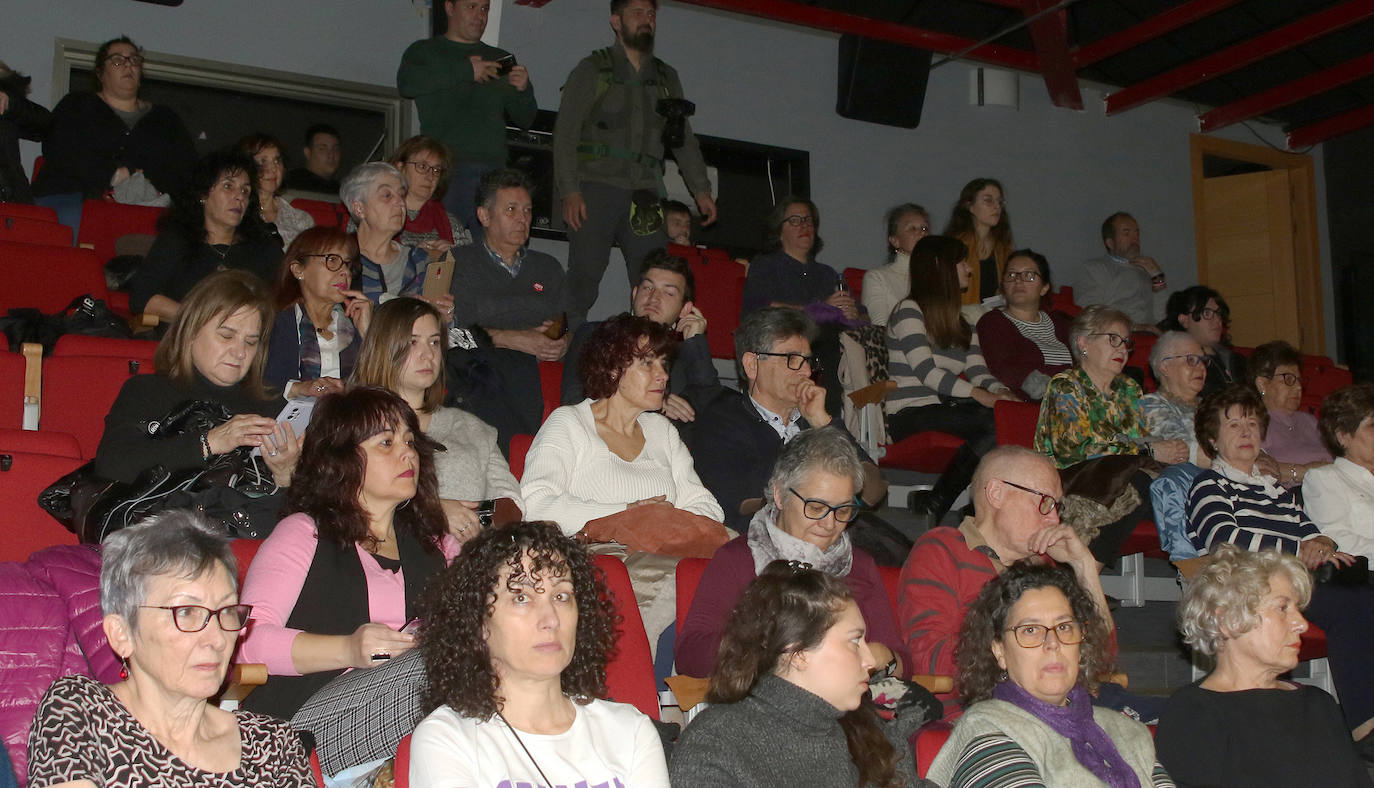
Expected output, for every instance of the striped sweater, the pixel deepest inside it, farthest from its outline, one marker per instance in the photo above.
(926, 374)
(1251, 512)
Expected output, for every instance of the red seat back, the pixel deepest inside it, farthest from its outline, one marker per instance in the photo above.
(103, 223)
(47, 278)
(854, 278)
(630, 672)
(79, 390)
(928, 741)
(23, 475)
(892, 581)
(34, 231)
(519, 447)
(28, 211)
(719, 294)
(1016, 422)
(551, 385)
(401, 772)
(325, 214)
(244, 552)
(1062, 301)
(83, 345)
(56, 444)
(924, 452)
(11, 390)
(688, 577)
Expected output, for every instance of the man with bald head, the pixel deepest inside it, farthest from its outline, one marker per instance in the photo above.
(1016, 495)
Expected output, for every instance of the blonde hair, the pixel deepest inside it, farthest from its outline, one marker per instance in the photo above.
(1223, 600)
(216, 297)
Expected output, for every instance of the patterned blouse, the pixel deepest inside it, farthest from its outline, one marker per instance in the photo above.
(83, 732)
(1078, 422)
(1167, 419)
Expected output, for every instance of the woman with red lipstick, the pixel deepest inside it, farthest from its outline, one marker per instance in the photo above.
(1030, 655)
(336, 583)
(1243, 724)
(321, 321)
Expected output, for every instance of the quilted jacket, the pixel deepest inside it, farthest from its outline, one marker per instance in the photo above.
(50, 626)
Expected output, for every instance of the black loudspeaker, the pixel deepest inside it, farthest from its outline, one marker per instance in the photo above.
(881, 82)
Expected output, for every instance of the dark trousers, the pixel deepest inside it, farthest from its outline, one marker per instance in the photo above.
(461, 197)
(965, 418)
(1346, 614)
(589, 249)
(498, 385)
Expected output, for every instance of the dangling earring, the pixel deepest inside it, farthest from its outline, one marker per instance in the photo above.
(123, 668)
(403, 505)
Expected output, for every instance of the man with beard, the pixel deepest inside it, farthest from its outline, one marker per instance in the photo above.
(1124, 278)
(608, 154)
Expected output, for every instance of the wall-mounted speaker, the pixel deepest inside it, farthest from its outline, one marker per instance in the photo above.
(882, 82)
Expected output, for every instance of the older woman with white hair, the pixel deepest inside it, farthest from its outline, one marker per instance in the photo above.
(1244, 725)
(172, 615)
(1180, 366)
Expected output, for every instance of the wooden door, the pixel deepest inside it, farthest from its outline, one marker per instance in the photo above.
(1250, 255)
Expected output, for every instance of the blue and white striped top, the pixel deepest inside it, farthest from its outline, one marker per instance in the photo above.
(1228, 506)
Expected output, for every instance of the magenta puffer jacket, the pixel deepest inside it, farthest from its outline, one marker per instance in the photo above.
(50, 626)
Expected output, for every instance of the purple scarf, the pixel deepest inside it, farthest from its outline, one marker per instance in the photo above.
(1074, 721)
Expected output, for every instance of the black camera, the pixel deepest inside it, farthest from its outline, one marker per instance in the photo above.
(675, 112)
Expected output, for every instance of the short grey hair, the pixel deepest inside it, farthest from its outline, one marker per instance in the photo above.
(178, 542)
(1094, 320)
(820, 449)
(495, 181)
(1000, 462)
(357, 187)
(1164, 347)
(1225, 596)
(759, 331)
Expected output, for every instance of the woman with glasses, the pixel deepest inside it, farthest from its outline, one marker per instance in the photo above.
(288, 220)
(980, 220)
(1024, 345)
(1203, 313)
(1091, 423)
(788, 274)
(424, 163)
(172, 615)
(1180, 367)
(1032, 651)
(375, 196)
(885, 286)
(943, 383)
(321, 321)
(1293, 445)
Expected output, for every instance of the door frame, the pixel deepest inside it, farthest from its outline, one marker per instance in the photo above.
(1307, 264)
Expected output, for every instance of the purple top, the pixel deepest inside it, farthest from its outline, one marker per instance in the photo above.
(1294, 437)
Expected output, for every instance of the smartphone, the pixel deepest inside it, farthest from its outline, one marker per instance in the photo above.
(297, 414)
(507, 62)
(438, 277)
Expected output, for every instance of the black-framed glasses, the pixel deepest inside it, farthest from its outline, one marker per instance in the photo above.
(193, 618)
(1191, 359)
(1021, 276)
(1116, 340)
(794, 360)
(120, 61)
(1069, 633)
(1048, 503)
(424, 169)
(332, 261)
(799, 220)
(1207, 313)
(1288, 378)
(816, 509)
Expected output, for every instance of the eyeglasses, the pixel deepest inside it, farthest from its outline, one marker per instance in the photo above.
(1191, 359)
(120, 61)
(816, 509)
(424, 169)
(794, 360)
(798, 220)
(1048, 503)
(1036, 635)
(193, 618)
(1021, 276)
(1288, 378)
(333, 262)
(991, 201)
(1115, 339)
(1207, 313)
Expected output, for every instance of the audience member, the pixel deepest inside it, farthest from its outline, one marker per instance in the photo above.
(215, 224)
(1242, 724)
(788, 274)
(19, 119)
(517, 672)
(1293, 445)
(424, 164)
(612, 452)
(1203, 313)
(1032, 650)
(1233, 503)
(677, 222)
(213, 351)
(942, 381)
(170, 598)
(980, 220)
(466, 91)
(1092, 425)
(664, 295)
(374, 195)
(788, 693)
(320, 321)
(322, 150)
(1340, 497)
(335, 585)
(288, 220)
(404, 352)
(1024, 345)
(621, 114)
(1124, 279)
(886, 285)
(510, 303)
(1178, 364)
(111, 140)
(1016, 503)
(738, 434)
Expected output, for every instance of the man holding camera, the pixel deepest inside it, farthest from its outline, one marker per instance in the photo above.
(465, 91)
(622, 111)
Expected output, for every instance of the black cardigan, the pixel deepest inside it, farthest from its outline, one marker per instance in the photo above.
(175, 264)
(23, 120)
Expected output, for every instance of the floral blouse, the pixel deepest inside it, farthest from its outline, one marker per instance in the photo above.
(1167, 419)
(1079, 422)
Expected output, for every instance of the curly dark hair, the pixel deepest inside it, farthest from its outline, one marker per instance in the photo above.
(786, 609)
(1212, 411)
(1270, 356)
(986, 622)
(333, 464)
(1342, 414)
(615, 345)
(187, 213)
(457, 659)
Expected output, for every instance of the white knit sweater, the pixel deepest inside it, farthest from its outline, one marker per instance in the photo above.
(572, 476)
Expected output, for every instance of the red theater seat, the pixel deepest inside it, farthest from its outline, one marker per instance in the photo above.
(103, 223)
(34, 231)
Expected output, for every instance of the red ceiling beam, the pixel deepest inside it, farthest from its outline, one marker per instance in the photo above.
(1050, 34)
(1154, 27)
(842, 22)
(1287, 93)
(1323, 130)
(1241, 55)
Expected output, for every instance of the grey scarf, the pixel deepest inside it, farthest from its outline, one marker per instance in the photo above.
(768, 543)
